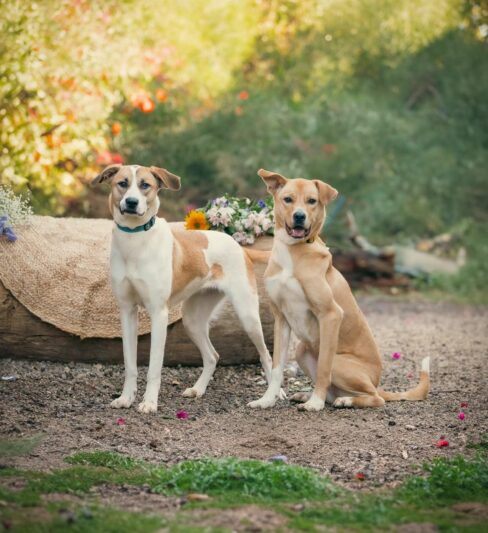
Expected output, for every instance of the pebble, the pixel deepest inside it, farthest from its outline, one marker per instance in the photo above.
(410, 427)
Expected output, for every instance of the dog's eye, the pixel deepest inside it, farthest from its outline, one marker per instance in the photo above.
(122, 184)
(144, 186)
(312, 201)
(288, 199)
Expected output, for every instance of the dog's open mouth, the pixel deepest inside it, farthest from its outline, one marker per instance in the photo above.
(297, 232)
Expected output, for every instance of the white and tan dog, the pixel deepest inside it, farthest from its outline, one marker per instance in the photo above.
(157, 266)
(311, 298)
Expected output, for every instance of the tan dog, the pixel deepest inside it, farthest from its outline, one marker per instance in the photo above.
(157, 266)
(311, 298)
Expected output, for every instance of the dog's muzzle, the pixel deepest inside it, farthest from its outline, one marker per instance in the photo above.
(297, 231)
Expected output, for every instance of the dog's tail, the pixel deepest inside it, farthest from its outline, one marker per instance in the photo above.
(420, 392)
(258, 256)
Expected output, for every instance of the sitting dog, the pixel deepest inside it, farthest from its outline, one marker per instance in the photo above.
(158, 267)
(311, 298)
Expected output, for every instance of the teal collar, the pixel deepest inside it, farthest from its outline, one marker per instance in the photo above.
(145, 227)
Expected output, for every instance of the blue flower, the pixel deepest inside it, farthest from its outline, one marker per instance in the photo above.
(7, 230)
(262, 204)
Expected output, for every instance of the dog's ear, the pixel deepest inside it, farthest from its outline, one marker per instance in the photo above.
(165, 179)
(273, 180)
(107, 174)
(326, 192)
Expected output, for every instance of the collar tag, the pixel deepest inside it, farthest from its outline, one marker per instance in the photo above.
(145, 227)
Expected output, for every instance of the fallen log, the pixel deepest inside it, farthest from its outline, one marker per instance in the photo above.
(24, 335)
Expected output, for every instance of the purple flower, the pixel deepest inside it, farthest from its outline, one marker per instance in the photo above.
(182, 415)
(7, 230)
(262, 204)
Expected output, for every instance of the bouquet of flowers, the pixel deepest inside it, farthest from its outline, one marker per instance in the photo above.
(242, 218)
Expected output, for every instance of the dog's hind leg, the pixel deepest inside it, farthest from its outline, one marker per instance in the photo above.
(349, 375)
(128, 316)
(197, 313)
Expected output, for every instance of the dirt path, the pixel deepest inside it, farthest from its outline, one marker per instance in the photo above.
(68, 405)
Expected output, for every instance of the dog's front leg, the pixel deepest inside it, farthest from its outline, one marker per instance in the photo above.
(329, 320)
(280, 353)
(128, 318)
(159, 326)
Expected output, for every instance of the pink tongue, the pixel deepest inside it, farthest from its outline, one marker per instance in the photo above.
(298, 232)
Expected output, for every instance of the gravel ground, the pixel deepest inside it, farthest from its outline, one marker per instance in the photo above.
(68, 405)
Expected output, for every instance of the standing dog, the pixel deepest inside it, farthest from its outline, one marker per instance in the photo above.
(309, 296)
(158, 267)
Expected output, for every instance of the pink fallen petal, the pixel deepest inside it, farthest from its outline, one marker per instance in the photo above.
(181, 414)
(410, 375)
(464, 404)
(396, 355)
(461, 416)
(442, 443)
(121, 421)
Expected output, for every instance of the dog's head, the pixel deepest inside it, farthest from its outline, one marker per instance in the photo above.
(299, 205)
(135, 189)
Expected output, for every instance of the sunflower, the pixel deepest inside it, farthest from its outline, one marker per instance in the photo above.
(196, 220)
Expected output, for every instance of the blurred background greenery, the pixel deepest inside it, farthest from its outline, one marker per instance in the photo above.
(384, 99)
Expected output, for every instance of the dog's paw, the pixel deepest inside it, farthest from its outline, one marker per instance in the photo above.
(282, 395)
(193, 392)
(301, 397)
(313, 404)
(262, 403)
(147, 407)
(122, 402)
(343, 401)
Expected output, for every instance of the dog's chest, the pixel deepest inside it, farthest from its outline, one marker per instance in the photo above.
(141, 266)
(287, 294)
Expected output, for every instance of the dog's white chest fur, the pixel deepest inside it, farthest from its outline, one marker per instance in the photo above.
(141, 265)
(287, 294)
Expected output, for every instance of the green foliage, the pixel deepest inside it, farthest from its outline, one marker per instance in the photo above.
(102, 458)
(243, 478)
(232, 482)
(448, 481)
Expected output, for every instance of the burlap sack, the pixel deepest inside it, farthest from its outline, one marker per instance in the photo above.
(59, 270)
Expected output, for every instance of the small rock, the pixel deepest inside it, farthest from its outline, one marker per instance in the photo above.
(261, 382)
(196, 497)
(410, 427)
(278, 459)
(405, 454)
(297, 507)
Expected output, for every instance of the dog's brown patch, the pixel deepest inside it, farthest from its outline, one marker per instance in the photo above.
(217, 271)
(188, 258)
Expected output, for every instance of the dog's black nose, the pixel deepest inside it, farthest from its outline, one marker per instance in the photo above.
(299, 217)
(131, 203)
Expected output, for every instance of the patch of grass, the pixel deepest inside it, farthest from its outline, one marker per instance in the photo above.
(15, 447)
(102, 458)
(449, 480)
(258, 479)
(84, 520)
(233, 482)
